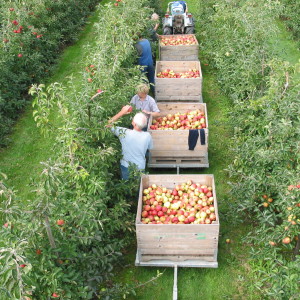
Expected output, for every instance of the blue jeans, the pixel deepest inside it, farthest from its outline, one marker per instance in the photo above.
(125, 173)
(150, 72)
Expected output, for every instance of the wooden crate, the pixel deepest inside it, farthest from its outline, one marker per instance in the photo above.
(178, 52)
(170, 147)
(178, 89)
(182, 245)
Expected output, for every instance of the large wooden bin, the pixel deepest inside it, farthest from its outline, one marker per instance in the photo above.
(170, 147)
(178, 52)
(178, 89)
(182, 245)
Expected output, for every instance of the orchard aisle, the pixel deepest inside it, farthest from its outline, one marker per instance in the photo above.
(227, 281)
(20, 161)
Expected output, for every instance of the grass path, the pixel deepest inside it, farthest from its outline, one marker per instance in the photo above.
(196, 283)
(284, 46)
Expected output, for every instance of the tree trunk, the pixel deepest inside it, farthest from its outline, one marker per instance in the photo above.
(49, 232)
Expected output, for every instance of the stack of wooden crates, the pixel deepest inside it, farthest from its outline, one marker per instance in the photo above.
(186, 245)
(178, 95)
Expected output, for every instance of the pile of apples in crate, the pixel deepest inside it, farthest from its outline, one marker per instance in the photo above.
(187, 203)
(194, 119)
(168, 73)
(178, 40)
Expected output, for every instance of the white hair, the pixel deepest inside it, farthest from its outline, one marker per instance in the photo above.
(154, 17)
(140, 120)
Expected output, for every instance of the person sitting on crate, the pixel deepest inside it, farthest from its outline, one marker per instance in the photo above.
(144, 102)
(145, 59)
(135, 142)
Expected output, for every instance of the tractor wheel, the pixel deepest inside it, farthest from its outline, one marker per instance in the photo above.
(167, 31)
(190, 30)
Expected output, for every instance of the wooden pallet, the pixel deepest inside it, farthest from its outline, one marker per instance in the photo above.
(170, 147)
(178, 89)
(188, 245)
(178, 52)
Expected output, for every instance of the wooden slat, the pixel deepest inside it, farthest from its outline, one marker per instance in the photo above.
(179, 164)
(177, 252)
(180, 99)
(171, 180)
(175, 258)
(164, 231)
(180, 249)
(179, 153)
(196, 248)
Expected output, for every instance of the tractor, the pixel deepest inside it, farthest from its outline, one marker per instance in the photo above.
(178, 20)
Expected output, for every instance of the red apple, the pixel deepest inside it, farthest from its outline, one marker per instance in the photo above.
(175, 220)
(60, 222)
(160, 213)
(286, 240)
(144, 214)
(191, 219)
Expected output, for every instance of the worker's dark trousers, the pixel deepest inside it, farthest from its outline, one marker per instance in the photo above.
(150, 72)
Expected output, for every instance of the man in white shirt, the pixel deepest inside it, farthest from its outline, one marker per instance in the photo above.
(135, 142)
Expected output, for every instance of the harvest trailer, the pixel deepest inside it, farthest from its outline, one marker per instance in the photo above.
(176, 245)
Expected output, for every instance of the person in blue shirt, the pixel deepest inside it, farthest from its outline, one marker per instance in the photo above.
(135, 142)
(145, 60)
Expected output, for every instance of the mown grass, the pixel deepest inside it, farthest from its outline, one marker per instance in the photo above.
(283, 45)
(225, 282)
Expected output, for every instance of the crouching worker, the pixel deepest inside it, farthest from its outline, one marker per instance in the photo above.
(135, 142)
